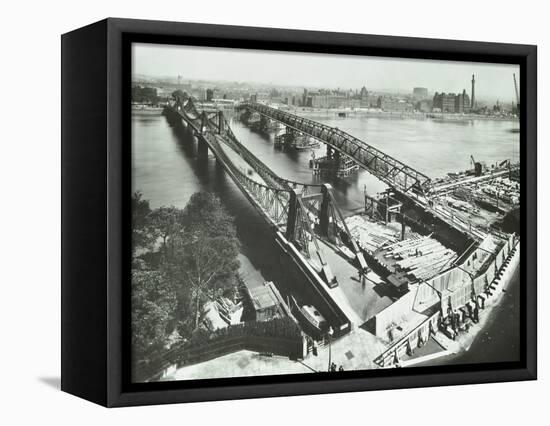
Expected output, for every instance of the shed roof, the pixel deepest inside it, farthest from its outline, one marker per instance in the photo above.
(263, 297)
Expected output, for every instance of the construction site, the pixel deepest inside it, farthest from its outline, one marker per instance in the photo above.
(441, 274)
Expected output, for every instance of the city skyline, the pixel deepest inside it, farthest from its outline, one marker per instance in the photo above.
(297, 69)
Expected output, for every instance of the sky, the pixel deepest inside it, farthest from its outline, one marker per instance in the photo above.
(318, 70)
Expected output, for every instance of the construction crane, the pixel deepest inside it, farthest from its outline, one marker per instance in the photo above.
(504, 163)
(517, 93)
(478, 167)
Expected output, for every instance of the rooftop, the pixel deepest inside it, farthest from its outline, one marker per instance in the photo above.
(264, 297)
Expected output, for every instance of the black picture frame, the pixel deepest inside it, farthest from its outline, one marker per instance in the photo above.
(96, 224)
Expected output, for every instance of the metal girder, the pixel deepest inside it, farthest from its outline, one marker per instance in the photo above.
(304, 236)
(273, 202)
(331, 224)
(371, 159)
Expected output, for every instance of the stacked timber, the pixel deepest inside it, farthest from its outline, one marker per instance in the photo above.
(421, 257)
(371, 235)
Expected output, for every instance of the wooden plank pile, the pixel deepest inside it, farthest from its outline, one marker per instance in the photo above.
(371, 235)
(421, 257)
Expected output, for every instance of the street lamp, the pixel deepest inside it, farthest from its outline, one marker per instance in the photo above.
(330, 333)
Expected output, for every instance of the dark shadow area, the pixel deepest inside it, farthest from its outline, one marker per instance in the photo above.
(370, 326)
(383, 290)
(511, 222)
(53, 382)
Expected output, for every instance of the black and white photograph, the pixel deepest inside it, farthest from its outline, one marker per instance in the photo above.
(302, 213)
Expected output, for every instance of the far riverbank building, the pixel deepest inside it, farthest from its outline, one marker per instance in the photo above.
(452, 103)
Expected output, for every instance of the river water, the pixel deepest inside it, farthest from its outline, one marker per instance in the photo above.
(166, 170)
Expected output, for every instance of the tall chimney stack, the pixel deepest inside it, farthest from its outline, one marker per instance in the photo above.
(473, 99)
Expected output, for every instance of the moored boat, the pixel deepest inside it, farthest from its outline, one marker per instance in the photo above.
(302, 142)
(310, 315)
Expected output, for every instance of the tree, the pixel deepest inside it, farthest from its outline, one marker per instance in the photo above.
(208, 265)
(142, 237)
(205, 211)
(166, 222)
(205, 255)
(153, 305)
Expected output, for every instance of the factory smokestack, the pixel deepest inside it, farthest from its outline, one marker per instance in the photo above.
(473, 99)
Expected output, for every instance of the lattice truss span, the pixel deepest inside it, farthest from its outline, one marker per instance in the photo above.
(386, 168)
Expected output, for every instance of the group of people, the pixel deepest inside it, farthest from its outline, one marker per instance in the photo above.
(334, 368)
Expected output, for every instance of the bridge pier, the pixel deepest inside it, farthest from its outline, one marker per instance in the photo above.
(292, 212)
(204, 123)
(264, 121)
(202, 148)
(336, 156)
(324, 219)
(221, 122)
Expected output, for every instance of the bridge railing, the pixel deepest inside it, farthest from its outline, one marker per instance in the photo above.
(273, 201)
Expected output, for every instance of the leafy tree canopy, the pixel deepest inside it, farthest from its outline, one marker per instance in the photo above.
(205, 213)
(206, 253)
(153, 305)
(166, 222)
(142, 237)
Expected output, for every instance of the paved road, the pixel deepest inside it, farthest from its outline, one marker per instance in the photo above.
(355, 351)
